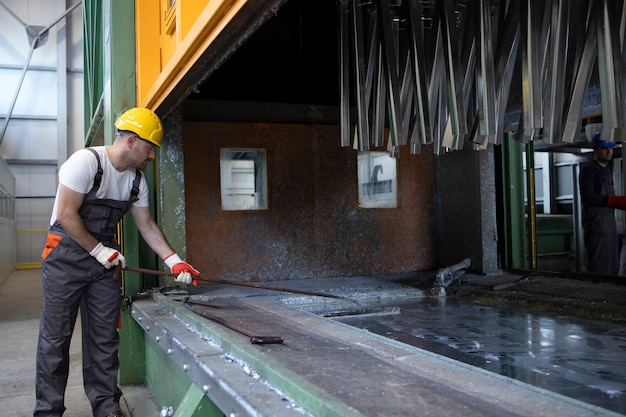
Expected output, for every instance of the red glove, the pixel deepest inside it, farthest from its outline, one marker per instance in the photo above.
(183, 270)
(616, 201)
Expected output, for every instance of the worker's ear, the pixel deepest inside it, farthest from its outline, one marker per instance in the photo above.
(130, 141)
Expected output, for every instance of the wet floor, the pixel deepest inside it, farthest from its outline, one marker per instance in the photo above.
(585, 360)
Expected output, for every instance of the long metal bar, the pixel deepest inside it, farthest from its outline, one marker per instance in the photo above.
(406, 100)
(571, 128)
(344, 62)
(506, 57)
(237, 283)
(34, 43)
(380, 100)
(531, 69)
(456, 110)
(419, 66)
(610, 68)
(555, 72)
(436, 91)
(471, 77)
(486, 75)
(360, 59)
(389, 47)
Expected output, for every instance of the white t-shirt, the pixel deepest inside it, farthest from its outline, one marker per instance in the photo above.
(78, 172)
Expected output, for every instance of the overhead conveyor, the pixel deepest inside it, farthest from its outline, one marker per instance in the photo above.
(449, 70)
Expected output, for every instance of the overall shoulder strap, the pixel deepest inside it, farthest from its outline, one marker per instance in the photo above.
(98, 178)
(135, 190)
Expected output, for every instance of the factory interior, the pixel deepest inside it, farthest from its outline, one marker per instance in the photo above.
(381, 198)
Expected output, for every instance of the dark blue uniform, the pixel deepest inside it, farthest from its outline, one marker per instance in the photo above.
(600, 230)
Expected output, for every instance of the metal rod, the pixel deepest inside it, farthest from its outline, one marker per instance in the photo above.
(241, 284)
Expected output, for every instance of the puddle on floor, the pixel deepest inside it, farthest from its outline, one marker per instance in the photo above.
(585, 360)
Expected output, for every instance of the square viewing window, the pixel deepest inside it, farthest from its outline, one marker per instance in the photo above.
(377, 180)
(243, 179)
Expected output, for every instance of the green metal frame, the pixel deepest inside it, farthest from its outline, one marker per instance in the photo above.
(172, 387)
(109, 50)
(516, 246)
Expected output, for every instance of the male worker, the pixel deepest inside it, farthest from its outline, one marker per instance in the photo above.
(97, 186)
(598, 214)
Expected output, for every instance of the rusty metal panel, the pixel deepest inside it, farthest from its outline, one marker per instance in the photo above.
(314, 227)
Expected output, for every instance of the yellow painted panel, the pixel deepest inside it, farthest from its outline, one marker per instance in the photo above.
(148, 59)
(189, 12)
(170, 23)
(205, 20)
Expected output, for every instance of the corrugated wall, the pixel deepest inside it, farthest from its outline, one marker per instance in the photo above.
(314, 227)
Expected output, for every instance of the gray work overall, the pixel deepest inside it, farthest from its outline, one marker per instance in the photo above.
(71, 277)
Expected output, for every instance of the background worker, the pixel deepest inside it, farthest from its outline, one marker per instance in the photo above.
(97, 186)
(598, 215)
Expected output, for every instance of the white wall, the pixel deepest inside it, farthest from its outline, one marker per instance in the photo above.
(7, 222)
(47, 119)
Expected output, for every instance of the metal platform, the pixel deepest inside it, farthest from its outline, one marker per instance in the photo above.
(322, 368)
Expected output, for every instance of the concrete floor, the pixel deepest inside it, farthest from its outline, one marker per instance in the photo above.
(20, 305)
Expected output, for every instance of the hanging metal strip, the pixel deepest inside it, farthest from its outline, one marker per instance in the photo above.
(506, 58)
(573, 117)
(418, 49)
(437, 89)
(372, 79)
(344, 71)
(610, 68)
(391, 60)
(469, 53)
(380, 100)
(556, 72)
(486, 88)
(406, 100)
(453, 70)
(362, 119)
(531, 69)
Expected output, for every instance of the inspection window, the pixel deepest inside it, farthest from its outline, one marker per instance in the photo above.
(377, 180)
(243, 179)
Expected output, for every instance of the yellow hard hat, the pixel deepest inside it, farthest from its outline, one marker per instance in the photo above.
(144, 122)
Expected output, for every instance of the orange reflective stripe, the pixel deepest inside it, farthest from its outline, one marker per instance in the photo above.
(52, 241)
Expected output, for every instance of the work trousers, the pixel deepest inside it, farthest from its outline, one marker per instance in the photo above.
(72, 278)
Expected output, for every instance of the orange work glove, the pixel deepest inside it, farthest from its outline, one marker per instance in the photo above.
(183, 270)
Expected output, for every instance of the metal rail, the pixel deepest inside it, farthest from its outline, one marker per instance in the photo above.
(238, 283)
